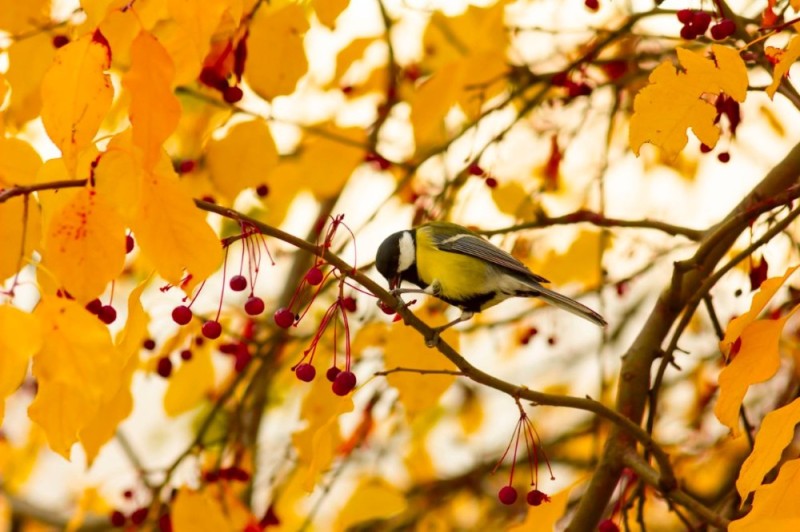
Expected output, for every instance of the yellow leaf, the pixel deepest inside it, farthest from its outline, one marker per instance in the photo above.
(189, 244)
(243, 159)
(76, 95)
(19, 162)
(430, 105)
(118, 175)
(513, 200)
(28, 61)
(775, 505)
(776, 431)
(673, 100)
(372, 499)
(154, 109)
(84, 245)
(20, 339)
(545, 516)
(328, 10)
(786, 59)
(578, 264)
(760, 300)
(90, 502)
(281, 61)
(758, 360)
(316, 444)
(195, 511)
(13, 230)
(190, 384)
(327, 163)
(188, 38)
(350, 54)
(405, 347)
(19, 17)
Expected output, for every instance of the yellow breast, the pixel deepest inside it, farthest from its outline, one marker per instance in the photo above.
(459, 277)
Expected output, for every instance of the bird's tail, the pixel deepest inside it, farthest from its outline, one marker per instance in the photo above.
(568, 304)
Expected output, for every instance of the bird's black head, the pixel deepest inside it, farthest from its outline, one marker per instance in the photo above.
(396, 258)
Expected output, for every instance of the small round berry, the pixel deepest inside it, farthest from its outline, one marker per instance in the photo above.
(60, 41)
(700, 21)
(241, 360)
(386, 308)
(211, 330)
(239, 474)
(232, 94)
(724, 157)
(129, 243)
(149, 344)
(238, 283)
(507, 495)
(107, 314)
(94, 306)
(723, 29)
(491, 182)
(475, 169)
(165, 523)
(254, 306)
(187, 166)
(284, 318)
(209, 76)
(186, 354)
(128, 494)
(164, 367)
(607, 525)
(332, 373)
(688, 32)
(138, 516)
(314, 276)
(685, 16)
(211, 475)
(262, 190)
(344, 382)
(305, 372)
(536, 497)
(347, 89)
(181, 315)
(117, 519)
(592, 5)
(705, 148)
(349, 304)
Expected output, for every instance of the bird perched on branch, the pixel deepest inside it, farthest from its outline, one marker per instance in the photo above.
(465, 270)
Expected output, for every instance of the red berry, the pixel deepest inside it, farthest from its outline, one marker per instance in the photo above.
(332, 373)
(211, 476)
(94, 306)
(536, 497)
(211, 330)
(723, 29)
(186, 354)
(386, 308)
(128, 244)
(685, 16)
(165, 523)
(314, 276)
(60, 40)
(187, 166)
(475, 169)
(347, 89)
(705, 148)
(349, 304)
(724, 157)
(254, 305)
(138, 516)
(241, 360)
(592, 5)
(107, 314)
(181, 315)
(305, 372)
(262, 190)
(239, 474)
(117, 519)
(284, 318)
(232, 94)
(491, 182)
(344, 382)
(164, 367)
(149, 344)
(688, 32)
(607, 525)
(507, 495)
(210, 77)
(128, 494)
(238, 283)
(700, 21)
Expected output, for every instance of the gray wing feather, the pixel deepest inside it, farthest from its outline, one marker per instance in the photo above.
(475, 246)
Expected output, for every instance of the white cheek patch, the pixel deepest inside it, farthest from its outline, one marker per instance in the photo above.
(408, 255)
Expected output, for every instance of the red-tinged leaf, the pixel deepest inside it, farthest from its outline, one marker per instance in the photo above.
(187, 37)
(776, 432)
(783, 59)
(20, 339)
(76, 95)
(154, 109)
(84, 245)
(775, 505)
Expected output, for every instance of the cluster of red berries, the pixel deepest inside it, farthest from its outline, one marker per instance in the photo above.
(476, 170)
(695, 24)
(233, 473)
(216, 77)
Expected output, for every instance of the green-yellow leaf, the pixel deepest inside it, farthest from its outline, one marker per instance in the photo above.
(673, 101)
(775, 505)
(243, 159)
(277, 34)
(20, 339)
(76, 95)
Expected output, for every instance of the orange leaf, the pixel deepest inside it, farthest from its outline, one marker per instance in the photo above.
(373, 499)
(76, 95)
(20, 339)
(19, 162)
(12, 232)
(190, 384)
(243, 159)
(19, 17)
(776, 431)
(189, 244)
(84, 245)
(188, 38)
(119, 174)
(784, 59)
(277, 33)
(775, 505)
(673, 100)
(196, 511)
(28, 61)
(154, 109)
(578, 264)
(545, 516)
(329, 10)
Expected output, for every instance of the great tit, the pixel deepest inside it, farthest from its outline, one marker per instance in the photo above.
(465, 270)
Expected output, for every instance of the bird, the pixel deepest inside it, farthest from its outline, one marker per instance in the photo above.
(463, 269)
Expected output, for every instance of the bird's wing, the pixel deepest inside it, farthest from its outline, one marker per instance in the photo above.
(475, 246)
